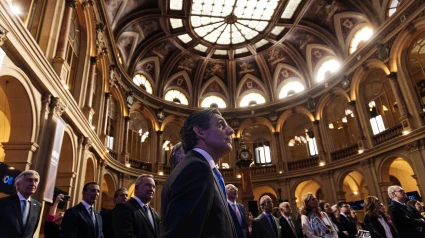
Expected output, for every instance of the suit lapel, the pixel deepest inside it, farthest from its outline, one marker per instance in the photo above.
(86, 216)
(17, 207)
(139, 208)
(267, 224)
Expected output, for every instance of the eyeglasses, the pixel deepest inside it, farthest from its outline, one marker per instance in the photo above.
(400, 191)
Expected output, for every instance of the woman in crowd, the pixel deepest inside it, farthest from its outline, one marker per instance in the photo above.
(375, 221)
(276, 212)
(326, 207)
(316, 224)
(353, 215)
(249, 220)
(53, 220)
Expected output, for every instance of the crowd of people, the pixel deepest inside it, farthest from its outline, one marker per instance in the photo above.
(196, 202)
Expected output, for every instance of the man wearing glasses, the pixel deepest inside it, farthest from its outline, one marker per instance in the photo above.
(345, 219)
(406, 218)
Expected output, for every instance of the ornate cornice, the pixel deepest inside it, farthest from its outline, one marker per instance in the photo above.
(3, 33)
(415, 145)
(57, 106)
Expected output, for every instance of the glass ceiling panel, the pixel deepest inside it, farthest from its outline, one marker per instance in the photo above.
(176, 23)
(227, 22)
(176, 4)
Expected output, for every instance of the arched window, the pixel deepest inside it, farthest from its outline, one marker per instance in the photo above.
(252, 99)
(73, 52)
(291, 88)
(213, 101)
(360, 37)
(138, 133)
(176, 96)
(141, 81)
(327, 69)
(112, 123)
(262, 151)
(416, 67)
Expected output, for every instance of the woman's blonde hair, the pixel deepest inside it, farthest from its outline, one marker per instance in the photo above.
(305, 210)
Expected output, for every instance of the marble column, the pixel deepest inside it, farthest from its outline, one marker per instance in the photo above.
(105, 117)
(125, 156)
(417, 155)
(88, 103)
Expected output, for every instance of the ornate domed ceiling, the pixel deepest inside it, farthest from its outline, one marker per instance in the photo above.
(235, 51)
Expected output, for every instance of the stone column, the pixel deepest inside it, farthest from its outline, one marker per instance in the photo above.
(156, 204)
(100, 168)
(41, 161)
(88, 104)
(159, 152)
(246, 182)
(369, 170)
(328, 186)
(340, 196)
(353, 108)
(84, 144)
(383, 186)
(417, 155)
(105, 118)
(125, 156)
(319, 142)
(58, 61)
(279, 158)
(398, 95)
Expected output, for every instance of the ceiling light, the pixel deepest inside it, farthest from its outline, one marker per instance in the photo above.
(331, 125)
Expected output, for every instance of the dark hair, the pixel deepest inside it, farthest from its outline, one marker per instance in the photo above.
(176, 151)
(275, 211)
(200, 119)
(330, 215)
(119, 191)
(87, 184)
(340, 204)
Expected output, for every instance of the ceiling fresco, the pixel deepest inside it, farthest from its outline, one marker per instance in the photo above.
(161, 43)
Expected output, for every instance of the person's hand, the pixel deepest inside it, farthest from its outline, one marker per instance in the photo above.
(59, 198)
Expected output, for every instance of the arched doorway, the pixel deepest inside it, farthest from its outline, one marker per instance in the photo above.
(108, 190)
(306, 187)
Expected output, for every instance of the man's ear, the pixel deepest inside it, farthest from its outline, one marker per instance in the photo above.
(198, 131)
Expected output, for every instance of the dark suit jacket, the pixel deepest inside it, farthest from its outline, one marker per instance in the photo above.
(106, 215)
(261, 227)
(348, 226)
(287, 232)
(193, 204)
(407, 220)
(129, 220)
(11, 225)
(240, 229)
(77, 223)
(375, 228)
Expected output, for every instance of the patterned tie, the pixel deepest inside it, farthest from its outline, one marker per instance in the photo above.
(25, 211)
(238, 214)
(220, 180)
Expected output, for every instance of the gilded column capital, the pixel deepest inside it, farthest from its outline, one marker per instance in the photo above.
(71, 3)
(3, 33)
(87, 143)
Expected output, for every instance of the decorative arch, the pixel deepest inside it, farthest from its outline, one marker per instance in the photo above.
(361, 73)
(171, 119)
(327, 98)
(288, 113)
(179, 81)
(251, 121)
(283, 73)
(316, 54)
(90, 173)
(306, 186)
(244, 89)
(221, 91)
(343, 174)
(120, 98)
(109, 187)
(147, 113)
(262, 189)
(150, 67)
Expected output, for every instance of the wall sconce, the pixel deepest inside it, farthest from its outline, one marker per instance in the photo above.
(344, 120)
(160, 173)
(331, 125)
(239, 176)
(339, 123)
(355, 192)
(322, 163)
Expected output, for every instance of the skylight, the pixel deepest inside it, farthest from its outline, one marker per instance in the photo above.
(176, 96)
(212, 101)
(252, 99)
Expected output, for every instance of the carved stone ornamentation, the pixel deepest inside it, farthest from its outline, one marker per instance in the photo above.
(3, 33)
(416, 145)
(367, 162)
(87, 143)
(127, 177)
(57, 106)
(325, 174)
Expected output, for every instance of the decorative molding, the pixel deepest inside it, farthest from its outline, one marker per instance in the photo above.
(3, 33)
(57, 106)
(367, 162)
(416, 145)
(326, 174)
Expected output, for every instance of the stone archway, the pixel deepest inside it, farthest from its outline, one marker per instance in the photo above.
(108, 190)
(305, 187)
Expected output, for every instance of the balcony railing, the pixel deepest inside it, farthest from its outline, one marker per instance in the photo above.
(388, 134)
(305, 163)
(167, 169)
(113, 154)
(260, 170)
(137, 164)
(349, 151)
(226, 172)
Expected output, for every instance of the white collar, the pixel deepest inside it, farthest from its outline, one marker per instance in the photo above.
(22, 197)
(86, 205)
(139, 201)
(231, 203)
(399, 202)
(287, 218)
(206, 156)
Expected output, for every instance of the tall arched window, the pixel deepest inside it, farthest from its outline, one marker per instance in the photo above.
(138, 145)
(213, 101)
(380, 101)
(177, 97)
(299, 138)
(416, 67)
(291, 88)
(252, 99)
(393, 5)
(327, 68)
(141, 81)
(73, 51)
(359, 38)
(262, 151)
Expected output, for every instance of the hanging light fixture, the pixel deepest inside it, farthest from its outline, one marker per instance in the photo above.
(331, 125)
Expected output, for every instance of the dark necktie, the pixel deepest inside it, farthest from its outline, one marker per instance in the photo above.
(25, 211)
(220, 180)
(93, 218)
(146, 210)
(273, 224)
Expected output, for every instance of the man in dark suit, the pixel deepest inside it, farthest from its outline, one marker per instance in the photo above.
(347, 223)
(290, 227)
(19, 213)
(82, 221)
(194, 200)
(121, 195)
(406, 219)
(266, 225)
(237, 211)
(135, 218)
